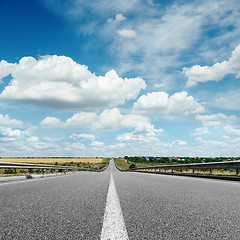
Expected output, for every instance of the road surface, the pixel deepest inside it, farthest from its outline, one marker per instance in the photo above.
(152, 207)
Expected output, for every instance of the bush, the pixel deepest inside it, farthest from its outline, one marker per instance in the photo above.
(95, 167)
(28, 176)
(8, 171)
(133, 165)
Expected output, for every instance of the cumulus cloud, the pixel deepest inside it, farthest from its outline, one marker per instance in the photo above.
(164, 32)
(44, 146)
(112, 119)
(201, 131)
(211, 142)
(109, 119)
(214, 120)
(78, 120)
(118, 18)
(59, 82)
(228, 100)
(76, 146)
(97, 144)
(50, 123)
(8, 134)
(82, 137)
(127, 33)
(216, 72)
(5, 121)
(147, 134)
(6, 69)
(231, 130)
(179, 143)
(161, 102)
(33, 139)
(83, 119)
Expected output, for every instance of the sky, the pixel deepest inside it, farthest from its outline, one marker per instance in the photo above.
(115, 78)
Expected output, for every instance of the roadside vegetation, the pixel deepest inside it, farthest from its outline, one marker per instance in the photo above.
(91, 163)
(128, 163)
(176, 160)
(122, 163)
(125, 164)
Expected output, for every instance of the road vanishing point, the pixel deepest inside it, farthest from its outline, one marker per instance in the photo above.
(120, 205)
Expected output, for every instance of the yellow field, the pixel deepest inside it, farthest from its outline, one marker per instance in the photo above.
(51, 160)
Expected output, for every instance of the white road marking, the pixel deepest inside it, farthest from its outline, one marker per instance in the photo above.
(113, 223)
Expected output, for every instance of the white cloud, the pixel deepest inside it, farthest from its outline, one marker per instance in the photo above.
(201, 131)
(82, 137)
(214, 120)
(5, 121)
(164, 32)
(97, 144)
(50, 123)
(160, 102)
(145, 135)
(127, 33)
(109, 119)
(211, 142)
(60, 83)
(216, 72)
(179, 143)
(75, 147)
(112, 119)
(120, 146)
(83, 119)
(6, 69)
(43, 146)
(8, 134)
(228, 100)
(33, 139)
(159, 85)
(231, 130)
(118, 18)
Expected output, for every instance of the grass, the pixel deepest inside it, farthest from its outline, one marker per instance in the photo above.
(124, 164)
(229, 172)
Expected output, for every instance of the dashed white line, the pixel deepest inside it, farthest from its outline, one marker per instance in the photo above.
(113, 223)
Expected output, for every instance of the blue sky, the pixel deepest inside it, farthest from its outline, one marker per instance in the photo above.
(116, 78)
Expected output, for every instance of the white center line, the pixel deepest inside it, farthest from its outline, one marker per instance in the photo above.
(113, 223)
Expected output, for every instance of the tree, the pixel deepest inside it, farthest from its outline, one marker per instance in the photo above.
(133, 165)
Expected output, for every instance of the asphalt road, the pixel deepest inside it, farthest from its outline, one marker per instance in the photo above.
(63, 207)
(153, 206)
